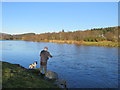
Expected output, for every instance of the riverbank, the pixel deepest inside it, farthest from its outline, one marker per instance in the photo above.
(101, 43)
(16, 76)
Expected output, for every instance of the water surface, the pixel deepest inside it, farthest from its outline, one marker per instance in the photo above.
(80, 66)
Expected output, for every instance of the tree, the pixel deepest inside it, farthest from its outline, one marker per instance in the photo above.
(62, 30)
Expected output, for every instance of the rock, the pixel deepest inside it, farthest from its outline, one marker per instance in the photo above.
(51, 75)
(61, 83)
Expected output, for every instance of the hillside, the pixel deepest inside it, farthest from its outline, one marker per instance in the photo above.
(4, 36)
(96, 36)
(93, 35)
(15, 76)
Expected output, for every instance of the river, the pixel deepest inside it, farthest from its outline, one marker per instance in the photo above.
(80, 66)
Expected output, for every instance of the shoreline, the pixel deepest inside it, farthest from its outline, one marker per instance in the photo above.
(100, 43)
(16, 76)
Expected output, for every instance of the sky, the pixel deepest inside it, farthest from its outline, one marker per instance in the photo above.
(60, 0)
(43, 17)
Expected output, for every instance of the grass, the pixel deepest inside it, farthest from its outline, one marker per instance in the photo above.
(101, 43)
(104, 43)
(15, 76)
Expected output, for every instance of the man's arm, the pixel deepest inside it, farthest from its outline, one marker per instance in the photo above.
(50, 55)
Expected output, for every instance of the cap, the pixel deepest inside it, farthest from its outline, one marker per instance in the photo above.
(45, 47)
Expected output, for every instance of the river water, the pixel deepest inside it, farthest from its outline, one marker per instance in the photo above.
(80, 66)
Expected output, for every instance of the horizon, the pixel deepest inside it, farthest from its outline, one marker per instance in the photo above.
(55, 32)
(44, 17)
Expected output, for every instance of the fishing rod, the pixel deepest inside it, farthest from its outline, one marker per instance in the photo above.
(58, 55)
(67, 55)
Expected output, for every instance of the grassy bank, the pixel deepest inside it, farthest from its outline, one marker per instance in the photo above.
(15, 76)
(108, 44)
(102, 43)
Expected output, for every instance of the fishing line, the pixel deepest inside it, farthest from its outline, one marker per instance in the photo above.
(67, 55)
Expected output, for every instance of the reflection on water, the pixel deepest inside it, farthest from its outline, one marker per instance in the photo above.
(81, 66)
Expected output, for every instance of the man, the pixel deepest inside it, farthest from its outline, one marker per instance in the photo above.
(44, 54)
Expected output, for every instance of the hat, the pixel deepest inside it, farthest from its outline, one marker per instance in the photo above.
(45, 47)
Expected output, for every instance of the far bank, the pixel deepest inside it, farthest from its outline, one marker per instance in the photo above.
(98, 37)
(100, 43)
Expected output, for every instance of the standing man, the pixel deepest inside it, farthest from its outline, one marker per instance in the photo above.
(44, 54)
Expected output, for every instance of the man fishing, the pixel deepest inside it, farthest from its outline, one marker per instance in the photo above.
(44, 54)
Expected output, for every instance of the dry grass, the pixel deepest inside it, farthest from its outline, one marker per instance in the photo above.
(101, 43)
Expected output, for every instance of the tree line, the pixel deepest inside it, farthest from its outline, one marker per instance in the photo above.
(92, 35)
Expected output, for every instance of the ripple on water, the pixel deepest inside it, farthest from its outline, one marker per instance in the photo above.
(80, 66)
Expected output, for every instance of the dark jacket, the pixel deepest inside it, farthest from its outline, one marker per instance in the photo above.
(44, 55)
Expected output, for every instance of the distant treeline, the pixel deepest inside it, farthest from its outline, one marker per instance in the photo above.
(5, 36)
(93, 35)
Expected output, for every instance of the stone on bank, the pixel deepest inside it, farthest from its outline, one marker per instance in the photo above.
(61, 83)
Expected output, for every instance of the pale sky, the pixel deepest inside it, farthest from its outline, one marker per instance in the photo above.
(41, 17)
